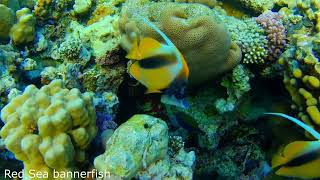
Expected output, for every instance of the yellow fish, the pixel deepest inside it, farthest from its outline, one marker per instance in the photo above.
(300, 159)
(155, 65)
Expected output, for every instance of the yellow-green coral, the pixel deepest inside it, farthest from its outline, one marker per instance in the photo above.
(6, 21)
(24, 30)
(250, 37)
(198, 34)
(301, 76)
(49, 128)
(42, 9)
(136, 144)
(258, 6)
(139, 148)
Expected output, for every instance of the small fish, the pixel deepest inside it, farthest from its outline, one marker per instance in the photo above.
(299, 159)
(156, 65)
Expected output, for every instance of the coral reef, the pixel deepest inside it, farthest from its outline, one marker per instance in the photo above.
(276, 33)
(198, 34)
(65, 93)
(300, 62)
(24, 30)
(49, 128)
(7, 20)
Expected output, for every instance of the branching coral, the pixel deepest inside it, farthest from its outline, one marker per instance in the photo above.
(49, 128)
(200, 36)
(276, 33)
(250, 37)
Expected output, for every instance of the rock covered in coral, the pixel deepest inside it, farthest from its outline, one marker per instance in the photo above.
(177, 167)
(49, 128)
(24, 30)
(102, 36)
(72, 50)
(200, 36)
(6, 21)
(134, 146)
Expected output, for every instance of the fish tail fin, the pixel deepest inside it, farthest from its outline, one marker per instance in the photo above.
(171, 100)
(309, 129)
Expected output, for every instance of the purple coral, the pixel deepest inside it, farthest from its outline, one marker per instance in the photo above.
(276, 33)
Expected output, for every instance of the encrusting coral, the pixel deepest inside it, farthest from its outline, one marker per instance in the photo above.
(24, 30)
(197, 33)
(6, 21)
(257, 6)
(49, 128)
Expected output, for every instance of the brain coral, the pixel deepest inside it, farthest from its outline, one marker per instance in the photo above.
(24, 30)
(49, 128)
(197, 33)
(6, 21)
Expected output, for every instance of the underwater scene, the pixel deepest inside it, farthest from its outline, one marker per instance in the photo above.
(160, 89)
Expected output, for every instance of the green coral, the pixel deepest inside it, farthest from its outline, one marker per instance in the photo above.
(258, 6)
(237, 85)
(250, 37)
(6, 21)
(24, 30)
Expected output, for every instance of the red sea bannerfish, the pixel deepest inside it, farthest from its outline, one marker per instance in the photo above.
(156, 65)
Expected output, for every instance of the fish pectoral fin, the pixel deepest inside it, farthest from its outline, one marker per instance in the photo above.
(150, 91)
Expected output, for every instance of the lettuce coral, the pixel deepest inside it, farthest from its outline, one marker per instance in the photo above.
(6, 21)
(200, 36)
(24, 30)
(49, 128)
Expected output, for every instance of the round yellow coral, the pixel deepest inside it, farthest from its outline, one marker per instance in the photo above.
(49, 128)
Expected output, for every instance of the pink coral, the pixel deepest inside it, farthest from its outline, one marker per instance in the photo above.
(276, 33)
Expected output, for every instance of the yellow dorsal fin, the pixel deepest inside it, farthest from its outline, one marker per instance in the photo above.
(148, 47)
